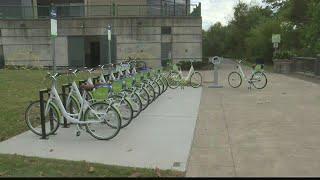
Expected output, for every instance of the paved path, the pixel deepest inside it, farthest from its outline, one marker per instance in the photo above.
(160, 137)
(272, 132)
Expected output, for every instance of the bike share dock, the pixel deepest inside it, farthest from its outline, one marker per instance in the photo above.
(161, 136)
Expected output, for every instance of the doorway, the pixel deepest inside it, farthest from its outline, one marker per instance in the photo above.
(94, 54)
(92, 51)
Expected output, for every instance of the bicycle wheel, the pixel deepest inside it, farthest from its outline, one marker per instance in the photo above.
(156, 88)
(33, 118)
(174, 79)
(151, 92)
(259, 80)
(196, 80)
(159, 81)
(234, 79)
(165, 83)
(144, 96)
(135, 101)
(136, 104)
(125, 109)
(109, 117)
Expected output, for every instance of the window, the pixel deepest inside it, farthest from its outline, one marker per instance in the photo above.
(166, 30)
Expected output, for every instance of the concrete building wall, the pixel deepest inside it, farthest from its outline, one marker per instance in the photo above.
(28, 42)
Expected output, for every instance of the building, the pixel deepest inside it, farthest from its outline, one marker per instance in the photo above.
(151, 30)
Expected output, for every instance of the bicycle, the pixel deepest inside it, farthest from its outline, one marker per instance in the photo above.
(102, 114)
(176, 78)
(120, 101)
(132, 100)
(257, 77)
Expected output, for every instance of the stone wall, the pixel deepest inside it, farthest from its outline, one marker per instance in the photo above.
(27, 42)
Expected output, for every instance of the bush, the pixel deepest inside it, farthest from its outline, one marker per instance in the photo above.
(283, 55)
(166, 63)
(198, 65)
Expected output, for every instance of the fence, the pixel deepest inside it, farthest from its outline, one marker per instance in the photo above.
(306, 65)
(65, 11)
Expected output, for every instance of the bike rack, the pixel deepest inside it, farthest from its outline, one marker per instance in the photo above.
(64, 101)
(42, 115)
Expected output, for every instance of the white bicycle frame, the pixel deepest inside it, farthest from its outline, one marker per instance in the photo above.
(73, 118)
(239, 67)
(188, 77)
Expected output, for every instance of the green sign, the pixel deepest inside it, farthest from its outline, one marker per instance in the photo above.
(276, 38)
(53, 21)
(54, 27)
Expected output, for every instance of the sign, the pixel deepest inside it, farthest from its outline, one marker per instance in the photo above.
(109, 34)
(53, 21)
(276, 38)
(54, 27)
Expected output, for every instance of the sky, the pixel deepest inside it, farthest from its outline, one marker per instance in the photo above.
(219, 10)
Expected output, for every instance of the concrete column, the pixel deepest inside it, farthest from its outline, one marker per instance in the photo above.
(35, 9)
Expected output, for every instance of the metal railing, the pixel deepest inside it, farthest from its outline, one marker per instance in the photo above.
(65, 11)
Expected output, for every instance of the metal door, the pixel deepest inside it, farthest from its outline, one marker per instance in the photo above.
(76, 51)
(166, 52)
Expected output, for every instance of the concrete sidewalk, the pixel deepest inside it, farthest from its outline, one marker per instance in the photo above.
(271, 132)
(160, 137)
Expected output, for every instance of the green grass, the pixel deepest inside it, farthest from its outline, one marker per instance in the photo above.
(17, 166)
(18, 88)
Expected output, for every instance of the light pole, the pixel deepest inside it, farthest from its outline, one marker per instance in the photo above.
(109, 41)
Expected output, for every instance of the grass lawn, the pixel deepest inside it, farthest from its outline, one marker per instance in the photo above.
(15, 165)
(18, 88)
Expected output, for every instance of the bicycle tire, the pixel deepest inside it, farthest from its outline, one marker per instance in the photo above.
(160, 82)
(151, 92)
(196, 73)
(263, 75)
(135, 100)
(116, 118)
(237, 75)
(156, 88)
(127, 118)
(38, 118)
(144, 96)
(174, 80)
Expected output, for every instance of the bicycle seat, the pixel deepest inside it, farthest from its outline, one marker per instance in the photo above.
(103, 85)
(87, 87)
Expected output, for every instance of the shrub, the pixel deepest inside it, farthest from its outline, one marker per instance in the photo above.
(283, 55)
(198, 65)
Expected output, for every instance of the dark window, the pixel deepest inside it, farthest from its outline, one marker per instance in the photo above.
(166, 30)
